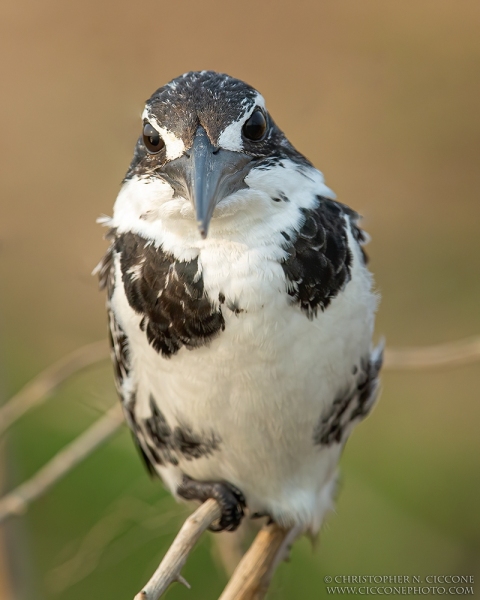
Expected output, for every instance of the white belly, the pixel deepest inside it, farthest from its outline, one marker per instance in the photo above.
(260, 385)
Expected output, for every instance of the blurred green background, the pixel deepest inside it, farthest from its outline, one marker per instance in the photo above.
(384, 97)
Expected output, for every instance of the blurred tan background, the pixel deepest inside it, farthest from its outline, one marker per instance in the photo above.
(384, 98)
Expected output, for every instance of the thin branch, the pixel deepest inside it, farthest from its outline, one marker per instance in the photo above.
(17, 501)
(251, 579)
(112, 532)
(36, 391)
(44, 384)
(452, 354)
(441, 355)
(176, 556)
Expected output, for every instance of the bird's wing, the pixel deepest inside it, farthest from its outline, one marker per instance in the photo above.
(120, 351)
(350, 407)
(318, 266)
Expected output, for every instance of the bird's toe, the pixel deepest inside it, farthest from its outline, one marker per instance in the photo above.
(232, 503)
(230, 498)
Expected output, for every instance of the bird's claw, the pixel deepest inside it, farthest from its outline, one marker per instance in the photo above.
(230, 498)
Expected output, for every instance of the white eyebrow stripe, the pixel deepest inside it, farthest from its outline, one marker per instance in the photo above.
(231, 136)
(174, 145)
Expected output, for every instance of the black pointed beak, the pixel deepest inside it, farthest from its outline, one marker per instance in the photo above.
(206, 175)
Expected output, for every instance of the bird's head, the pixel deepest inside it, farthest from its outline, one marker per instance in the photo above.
(208, 145)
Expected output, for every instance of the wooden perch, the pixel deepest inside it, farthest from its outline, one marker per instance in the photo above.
(33, 393)
(452, 354)
(251, 578)
(44, 384)
(169, 569)
(17, 501)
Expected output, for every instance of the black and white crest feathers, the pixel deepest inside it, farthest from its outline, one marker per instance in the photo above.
(214, 101)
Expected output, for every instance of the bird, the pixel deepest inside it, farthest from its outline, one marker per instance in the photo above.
(240, 306)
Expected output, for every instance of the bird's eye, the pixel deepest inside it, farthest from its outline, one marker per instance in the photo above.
(256, 126)
(152, 139)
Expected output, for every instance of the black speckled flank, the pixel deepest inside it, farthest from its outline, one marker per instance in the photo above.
(119, 347)
(319, 259)
(169, 294)
(353, 405)
(360, 236)
(104, 270)
(176, 312)
(167, 445)
(120, 354)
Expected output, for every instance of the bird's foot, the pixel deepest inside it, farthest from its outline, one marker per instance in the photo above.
(231, 500)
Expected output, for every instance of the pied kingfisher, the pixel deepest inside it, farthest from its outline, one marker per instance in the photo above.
(240, 306)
